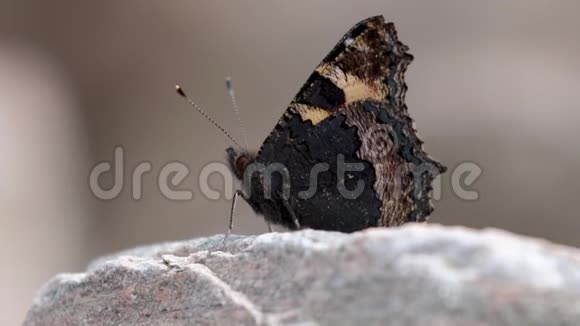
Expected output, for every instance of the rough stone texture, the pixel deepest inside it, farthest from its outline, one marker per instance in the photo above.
(414, 275)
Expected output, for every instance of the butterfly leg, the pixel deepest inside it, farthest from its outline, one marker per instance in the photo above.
(270, 229)
(292, 214)
(237, 194)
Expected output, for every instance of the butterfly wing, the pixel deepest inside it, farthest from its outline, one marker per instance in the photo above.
(353, 106)
(367, 63)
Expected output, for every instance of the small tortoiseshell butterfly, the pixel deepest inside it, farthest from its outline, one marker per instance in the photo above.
(345, 155)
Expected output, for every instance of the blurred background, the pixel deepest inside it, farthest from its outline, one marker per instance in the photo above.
(494, 83)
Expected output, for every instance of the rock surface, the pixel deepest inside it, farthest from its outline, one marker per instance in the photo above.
(414, 275)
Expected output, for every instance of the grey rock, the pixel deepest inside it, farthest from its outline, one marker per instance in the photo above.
(413, 275)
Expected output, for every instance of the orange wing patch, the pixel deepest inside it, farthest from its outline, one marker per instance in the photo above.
(354, 88)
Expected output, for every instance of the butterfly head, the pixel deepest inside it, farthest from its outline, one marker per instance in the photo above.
(239, 161)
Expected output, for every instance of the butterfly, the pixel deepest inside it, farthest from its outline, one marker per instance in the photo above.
(345, 154)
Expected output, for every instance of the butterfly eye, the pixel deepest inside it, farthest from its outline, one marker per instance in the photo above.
(241, 163)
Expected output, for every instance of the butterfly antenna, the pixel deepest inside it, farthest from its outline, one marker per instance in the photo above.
(232, 95)
(195, 106)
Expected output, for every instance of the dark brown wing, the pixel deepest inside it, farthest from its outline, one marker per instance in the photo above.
(367, 63)
(362, 80)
